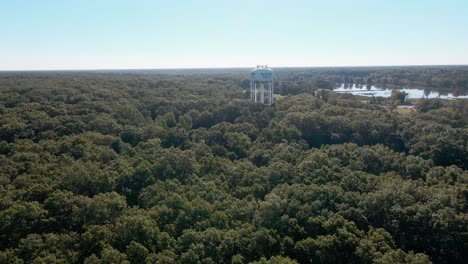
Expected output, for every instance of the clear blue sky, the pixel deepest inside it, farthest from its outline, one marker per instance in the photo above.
(113, 34)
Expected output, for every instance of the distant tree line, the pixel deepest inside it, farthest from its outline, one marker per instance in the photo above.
(441, 78)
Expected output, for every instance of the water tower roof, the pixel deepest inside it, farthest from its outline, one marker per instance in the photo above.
(262, 70)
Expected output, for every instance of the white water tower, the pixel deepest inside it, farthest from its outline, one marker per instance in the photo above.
(261, 77)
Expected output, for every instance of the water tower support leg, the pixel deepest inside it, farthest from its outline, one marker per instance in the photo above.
(270, 94)
(255, 94)
(251, 91)
(262, 93)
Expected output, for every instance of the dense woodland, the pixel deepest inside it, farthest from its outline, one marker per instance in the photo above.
(147, 167)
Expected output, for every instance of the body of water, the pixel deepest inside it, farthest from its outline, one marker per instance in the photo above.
(413, 93)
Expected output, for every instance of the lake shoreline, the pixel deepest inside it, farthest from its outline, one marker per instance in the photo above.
(412, 93)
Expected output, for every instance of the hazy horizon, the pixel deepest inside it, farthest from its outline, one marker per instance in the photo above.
(241, 67)
(119, 35)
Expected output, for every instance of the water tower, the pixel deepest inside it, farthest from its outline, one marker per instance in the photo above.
(261, 78)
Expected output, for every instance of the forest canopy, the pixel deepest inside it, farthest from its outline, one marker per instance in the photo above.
(157, 167)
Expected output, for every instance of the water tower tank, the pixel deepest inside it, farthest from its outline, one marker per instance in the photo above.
(262, 75)
(261, 78)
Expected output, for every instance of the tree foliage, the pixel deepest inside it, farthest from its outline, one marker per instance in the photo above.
(170, 168)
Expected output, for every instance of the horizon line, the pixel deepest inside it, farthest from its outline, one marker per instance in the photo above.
(228, 67)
